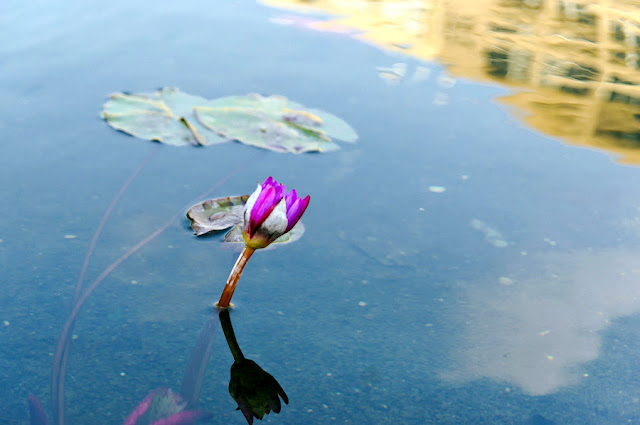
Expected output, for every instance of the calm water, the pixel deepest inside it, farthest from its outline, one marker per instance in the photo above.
(462, 264)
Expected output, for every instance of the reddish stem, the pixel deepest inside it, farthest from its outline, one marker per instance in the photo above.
(232, 281)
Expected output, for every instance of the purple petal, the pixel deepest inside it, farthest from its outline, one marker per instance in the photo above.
(291, 198)
(295, 211)
(186, 417)
(262, 208)
(141, 408)
(269, 182)
(36, 411)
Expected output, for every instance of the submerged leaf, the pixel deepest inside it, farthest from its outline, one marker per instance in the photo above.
(272, 122)
(216, 214)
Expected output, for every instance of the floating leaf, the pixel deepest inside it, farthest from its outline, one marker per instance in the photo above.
(256, 129)
(216, 214)
(273, 122)
(221, 213)
(165, 116)
(283, 110)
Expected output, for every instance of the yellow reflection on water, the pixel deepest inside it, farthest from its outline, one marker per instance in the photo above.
(574, 63)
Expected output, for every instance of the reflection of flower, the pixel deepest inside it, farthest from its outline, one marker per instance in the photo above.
(164, 407)
(256, 391)
(269, 213)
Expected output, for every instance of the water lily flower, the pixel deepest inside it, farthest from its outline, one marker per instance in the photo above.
(164, 407)
(269, 213)
(36, 411)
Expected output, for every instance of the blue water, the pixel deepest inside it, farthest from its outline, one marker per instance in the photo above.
(508, 298)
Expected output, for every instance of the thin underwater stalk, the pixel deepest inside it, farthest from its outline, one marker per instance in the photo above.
(61, 354)
(105, 218)
(198, 362)
(234, 276)
(57, 380)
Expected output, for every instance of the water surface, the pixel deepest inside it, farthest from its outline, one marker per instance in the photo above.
(472, 259)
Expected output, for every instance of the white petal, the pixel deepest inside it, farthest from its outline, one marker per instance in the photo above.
(251, 202)
(276, 223)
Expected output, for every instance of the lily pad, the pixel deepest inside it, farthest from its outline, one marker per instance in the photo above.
(272, 122)
(165, 116)
(222, 213)
(283, 110)
(216, 214)
(256, 129)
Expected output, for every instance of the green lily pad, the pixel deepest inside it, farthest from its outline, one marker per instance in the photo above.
(216, 214)
(257, 129)
(165, 116)
(221, 213)
(273, 122)
(281, 109)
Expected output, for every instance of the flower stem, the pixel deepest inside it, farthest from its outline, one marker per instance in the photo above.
(232, 281)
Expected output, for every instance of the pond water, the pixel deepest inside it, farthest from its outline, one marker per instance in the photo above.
(472, 259)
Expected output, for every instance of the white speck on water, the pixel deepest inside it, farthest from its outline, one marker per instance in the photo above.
(550, 357)
(421, 73)
(419, 209)
(523, 252)
(446, 81)
(122, 374)
(362, 304)
(586, 375)
(550, 242)
(437, 189)
(6, 322)
(493, 236)
(70, 236)
(134, 282)
(441, 99)
(464, 177)
(543, 333)
(505, 281)
(74, 336)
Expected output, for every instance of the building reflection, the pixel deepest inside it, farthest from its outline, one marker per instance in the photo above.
(574, 63)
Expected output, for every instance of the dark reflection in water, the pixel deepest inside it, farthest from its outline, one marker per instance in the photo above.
(575, 64)
(256, 391)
